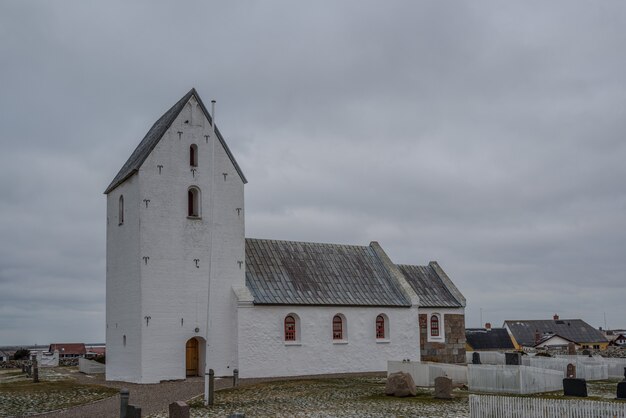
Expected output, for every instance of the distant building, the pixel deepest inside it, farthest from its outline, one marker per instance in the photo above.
(4, 356)
(68, 350)
(530, 333)
(488, 339)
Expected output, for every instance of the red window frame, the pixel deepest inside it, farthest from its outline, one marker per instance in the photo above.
(290, 328)
(434, 326)
(337, 328)
(380, 327)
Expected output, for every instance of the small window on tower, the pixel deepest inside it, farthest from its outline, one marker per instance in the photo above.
(121, 210)
(193, 155)
(193, 202)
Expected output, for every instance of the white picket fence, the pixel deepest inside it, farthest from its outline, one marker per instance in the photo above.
(486, 406)
(522, 380)
(586, 368)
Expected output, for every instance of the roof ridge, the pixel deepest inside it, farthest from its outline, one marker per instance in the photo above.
(309, 242)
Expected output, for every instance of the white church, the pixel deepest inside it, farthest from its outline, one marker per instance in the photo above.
(187, 292)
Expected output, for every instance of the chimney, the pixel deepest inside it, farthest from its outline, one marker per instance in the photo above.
(555, 317)
(537, 336)
(488, 326)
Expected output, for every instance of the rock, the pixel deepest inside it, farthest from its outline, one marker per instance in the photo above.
(443, 388)
(400, 384)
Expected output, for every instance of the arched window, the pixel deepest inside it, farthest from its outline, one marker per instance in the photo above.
(434, 326)
(337, 328)
(121, 210)
(290, 328)
(193, 202)
(380, 326)
(193, 155)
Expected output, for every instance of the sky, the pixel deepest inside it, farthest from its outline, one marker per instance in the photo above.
(486, 135)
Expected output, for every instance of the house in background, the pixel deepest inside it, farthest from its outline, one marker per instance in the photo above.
(68, 350)
(4, 356)
(488, 339)
(530, 333)
(554, 341)
(616, 339)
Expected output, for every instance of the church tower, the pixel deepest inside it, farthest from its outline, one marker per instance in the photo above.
(175, 246)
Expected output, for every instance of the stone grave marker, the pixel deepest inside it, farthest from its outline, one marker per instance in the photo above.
(400, 384)
(179, 409)
(512, 359)
(443, 388)
(476, 358)
(621, 390)
(571, 370)
(571, 349)
(133, 411)
(575, 387)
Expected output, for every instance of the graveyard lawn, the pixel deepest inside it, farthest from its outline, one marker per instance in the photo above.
(20, 396)
(346, 397)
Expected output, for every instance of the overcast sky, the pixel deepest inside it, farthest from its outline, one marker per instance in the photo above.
(486, 135)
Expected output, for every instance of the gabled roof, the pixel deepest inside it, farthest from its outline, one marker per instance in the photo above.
(69, 348)
(575, 330)
(548, 337)
(305, 273)
(155, 134)
(488, 339)
(434, 291)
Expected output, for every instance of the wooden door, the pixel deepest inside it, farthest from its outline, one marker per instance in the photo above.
(191, 357)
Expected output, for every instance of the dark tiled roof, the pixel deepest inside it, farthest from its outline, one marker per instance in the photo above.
(155, 134)
(575, 330)
(493, 339)
(303, 273)
(430, 287)
(71, 348)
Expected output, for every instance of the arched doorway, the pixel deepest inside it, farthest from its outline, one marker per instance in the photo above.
(191, 358)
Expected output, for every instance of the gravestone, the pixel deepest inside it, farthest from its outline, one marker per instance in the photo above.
(476, 358)
(237, 415)
(571, 349)
(575, 387)
(400, 384)
(443, 388)
(133, 411)
(621, 390)
(571, 370)
(179, 409)
(512, 359)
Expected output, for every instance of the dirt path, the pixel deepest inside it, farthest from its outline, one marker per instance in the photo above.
(151, 398)
(155, 398)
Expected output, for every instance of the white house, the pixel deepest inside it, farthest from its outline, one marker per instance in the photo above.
(176, 245)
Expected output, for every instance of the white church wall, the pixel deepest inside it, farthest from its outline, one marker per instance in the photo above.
(264, 352)
(174, 285)
(123, 292)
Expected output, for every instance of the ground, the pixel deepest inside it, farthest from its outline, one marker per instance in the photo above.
(56, 390)
(346, 396)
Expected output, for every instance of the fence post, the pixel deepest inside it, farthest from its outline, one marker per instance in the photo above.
(235, 378)
(124, 395)
(35, 371)
(211, 386)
